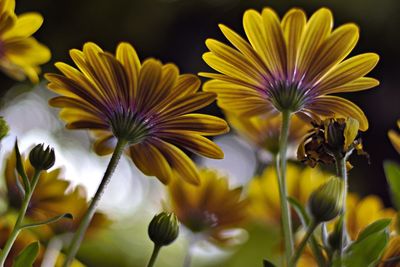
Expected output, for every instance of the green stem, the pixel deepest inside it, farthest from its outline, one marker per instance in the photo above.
(319, 257)
(341, 171)
(17, 227)
(84, 224)
(303, 243)
(285, 212)
(154, 255)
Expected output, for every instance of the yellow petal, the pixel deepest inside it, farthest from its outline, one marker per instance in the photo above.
(197, 123)
(151, 161)
(181, 164)
(127, 55)
(149, 78)
(293, 24)
(359, 84)
(333, 50)
(350, 132)
(194, 143)
(341, 108)
(104, 145)
(26, 25)
(275, 42)
(347, 71)
(245, 48)
(234, 58)
(317, 30)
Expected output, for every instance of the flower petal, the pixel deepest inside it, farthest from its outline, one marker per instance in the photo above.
(293, 24)
(317, 30)
(359, 84)
(395, 139)
(194, 143)
(149, 78)
(347, 71)
(195, 123)
(333, 50)
(341, 108)
(105, 145)
(350, 132)
(151, 161)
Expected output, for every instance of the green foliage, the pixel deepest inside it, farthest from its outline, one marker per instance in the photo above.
(300, 210)
(392, 172)
(27, 257)
(369, 246)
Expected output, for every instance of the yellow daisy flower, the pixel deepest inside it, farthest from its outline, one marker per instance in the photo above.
(148, 105)
(50, 198)
(20, 53)
(289, 65)
(265, 133)
(395, 138)
(263, 192)
(210, 208)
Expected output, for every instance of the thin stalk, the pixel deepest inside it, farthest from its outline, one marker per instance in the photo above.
(342, 173)
(84, 224)
(17, 227)
(319, 257)
(154, 255)
(310, 230)
(285, 212)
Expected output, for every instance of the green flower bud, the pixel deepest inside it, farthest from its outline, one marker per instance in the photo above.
(3, 128)
(41, 158)
(326, 202)
(163, 229)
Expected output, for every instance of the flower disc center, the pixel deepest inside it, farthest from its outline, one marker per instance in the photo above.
(287, 96)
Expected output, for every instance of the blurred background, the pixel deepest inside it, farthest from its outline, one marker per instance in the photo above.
(175, 31)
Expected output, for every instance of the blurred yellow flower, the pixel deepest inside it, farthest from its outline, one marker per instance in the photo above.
(360, 212)
(391, 255)
(20, 53)
(148, 105)
(264, 132)
(292, 65)
(211, 208)
(263, 192)
(395, 138)
(51, 198)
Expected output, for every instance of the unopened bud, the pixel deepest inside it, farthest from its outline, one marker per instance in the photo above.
(42, 158)
(163, 229)
(326, 202)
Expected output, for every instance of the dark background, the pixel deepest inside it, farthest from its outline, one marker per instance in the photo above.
(176, 30)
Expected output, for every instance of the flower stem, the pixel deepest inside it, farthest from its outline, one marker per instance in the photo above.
(17, 227)
(300, 248)
(342, 173)
(285, 212)
(154, 255)
(84, 224)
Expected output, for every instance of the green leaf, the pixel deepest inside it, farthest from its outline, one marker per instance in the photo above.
(27, 257)
(368, 248)
(377, 226)
(20, 168)
(392, 172)
(267, 263)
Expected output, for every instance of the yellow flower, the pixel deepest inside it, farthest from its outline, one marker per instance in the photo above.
(289, 65)
(50, 198)
(362, 212)
(395, 138)
(20, 53)
(210, 208)
(392, 253)
(263, 191)
(264, 132)
(148, 105)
